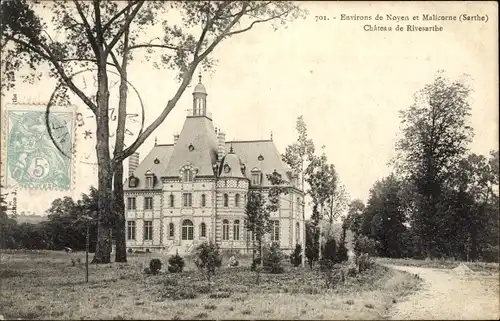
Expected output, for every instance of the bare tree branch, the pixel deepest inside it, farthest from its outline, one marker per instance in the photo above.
(185, 82)
(116, 16)
(124, 27)
(88, 30)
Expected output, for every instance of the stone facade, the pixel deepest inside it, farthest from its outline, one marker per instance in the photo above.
(195, 190)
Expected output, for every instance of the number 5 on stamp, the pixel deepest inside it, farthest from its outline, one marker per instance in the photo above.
(31, 158)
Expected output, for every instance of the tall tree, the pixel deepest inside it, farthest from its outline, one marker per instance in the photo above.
(259, 208)
(104, 34)
(298, 155)
(384, 207)
(435, 136)
(353, 220)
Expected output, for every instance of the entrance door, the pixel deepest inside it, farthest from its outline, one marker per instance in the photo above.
(187, 231)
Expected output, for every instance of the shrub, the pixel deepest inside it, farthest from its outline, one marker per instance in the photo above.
(364, 244)
(147, 271)
(272, 260)
(155, 266)
(329, 250)
(129, 251)
(296, 256)
(176, 264)
(331, 273)
(364, 262)
(255, 263)
(208, 258)
(341, 255)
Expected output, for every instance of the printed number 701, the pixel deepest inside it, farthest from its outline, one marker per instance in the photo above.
(321, 18)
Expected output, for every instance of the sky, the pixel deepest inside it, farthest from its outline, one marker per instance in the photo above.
(348, 83)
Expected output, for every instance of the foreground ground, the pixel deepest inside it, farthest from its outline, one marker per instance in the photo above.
(46, 285)
(450, 290)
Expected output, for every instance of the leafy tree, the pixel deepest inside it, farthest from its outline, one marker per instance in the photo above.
(258, 209)
(384, 207)
(8, 225)
(104, 35)
(297, 156)
(272, 259)
(353, 220)
(435, 135)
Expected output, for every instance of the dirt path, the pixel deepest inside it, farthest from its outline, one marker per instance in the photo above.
(448, 295)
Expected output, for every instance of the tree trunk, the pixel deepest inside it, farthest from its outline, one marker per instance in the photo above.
(119, 214)
(105, 173)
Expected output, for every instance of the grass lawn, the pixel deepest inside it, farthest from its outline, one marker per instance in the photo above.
(442, 264)
(45, 285)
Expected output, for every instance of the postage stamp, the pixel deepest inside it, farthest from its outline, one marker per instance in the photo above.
(31, 158)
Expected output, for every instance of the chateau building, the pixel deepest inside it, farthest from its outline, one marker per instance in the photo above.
(195, 190)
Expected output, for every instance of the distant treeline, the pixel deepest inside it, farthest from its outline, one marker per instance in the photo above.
(64, 227)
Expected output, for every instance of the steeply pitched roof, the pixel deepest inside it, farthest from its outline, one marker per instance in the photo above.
(199, 133)
(251, 151)
(160, 152)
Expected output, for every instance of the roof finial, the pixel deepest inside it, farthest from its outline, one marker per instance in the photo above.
(231, 150)
(199, 77)
(271, 135)
(156, 140)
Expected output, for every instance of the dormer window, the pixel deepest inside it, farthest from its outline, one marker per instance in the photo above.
(256, 176)
(149, 182)
(150, 179)
(132, 181)
(188, 175)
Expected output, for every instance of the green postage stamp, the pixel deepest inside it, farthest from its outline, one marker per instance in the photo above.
(37, 145)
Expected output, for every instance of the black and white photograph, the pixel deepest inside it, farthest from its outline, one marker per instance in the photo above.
(244, 160)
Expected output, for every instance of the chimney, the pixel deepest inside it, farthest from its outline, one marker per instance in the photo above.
(221, 146)
(176, 138)
(133, 162)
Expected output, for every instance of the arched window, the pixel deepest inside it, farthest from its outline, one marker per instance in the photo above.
(203, 200)
(226, 200)
(203, 230)
(171, 230)
(172, 200)
(297, 232)
(236, 230)
(188, 175)
(237, 200)
(187, 230)
(225, 230)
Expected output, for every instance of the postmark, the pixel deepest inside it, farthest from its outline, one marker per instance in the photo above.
(85, 121)
(30, 158)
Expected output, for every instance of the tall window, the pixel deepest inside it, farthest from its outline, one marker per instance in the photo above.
(225, 230)
(148, 203)
(171, 230)
(131, 230)
(188, 175)
(297, 232)
(187, 230)
(275, 231)
(237, 200)
(149, 181)
(172, 200)
(236, 230)
(148, 230)
(226, 200)
(187, 199)
(203, 230)
(131, 203)
(203, 200)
